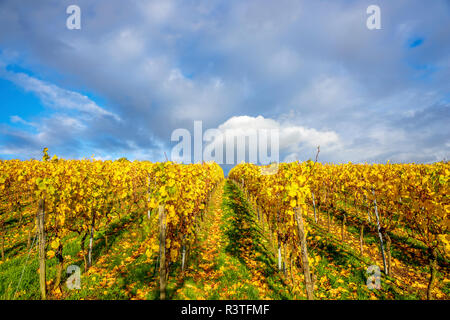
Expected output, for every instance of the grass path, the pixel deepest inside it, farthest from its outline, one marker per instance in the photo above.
(231, 260)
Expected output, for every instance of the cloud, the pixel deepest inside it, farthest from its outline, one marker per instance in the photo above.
(17, 119)
(56, 97)
(291, 136)
(293, 143)
(69, 127)
(311, 67)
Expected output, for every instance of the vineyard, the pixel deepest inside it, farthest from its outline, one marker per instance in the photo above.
(89, 229)
(408, 203)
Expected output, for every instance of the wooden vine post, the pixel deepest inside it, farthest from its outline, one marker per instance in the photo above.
(91, 240)
(149, 196)
(331, 209)
(433, 271)
(379, 232)
(187, 254)
(262, 220)
(343, 227)
(279, 242)
(29, 240)
(368, 210)
(361, 239)
(183, 259)
(183, 255)
(329, 219)
(314, 205)
(388, 252)
(279, 255)
(304, 252)
(3, 241)
(162, 253)
(40, 222)
(3, 247)
(2, 231)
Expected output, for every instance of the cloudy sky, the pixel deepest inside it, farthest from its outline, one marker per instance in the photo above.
(138, 70)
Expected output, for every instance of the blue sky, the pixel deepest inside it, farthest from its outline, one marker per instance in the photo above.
(135, 72)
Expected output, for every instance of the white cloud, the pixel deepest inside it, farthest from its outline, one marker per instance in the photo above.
(294, 140)
(56, 97)
(158, 11)
(17, 119)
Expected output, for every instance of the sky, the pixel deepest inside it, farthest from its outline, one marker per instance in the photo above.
(138, 70)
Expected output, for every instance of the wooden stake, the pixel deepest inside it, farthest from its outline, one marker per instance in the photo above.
(91, 241)
(82, 245)
(20, 213)
(368, 210)
(314, 205)
(329, 221)
(343, 227)
(379, 231)
(3, 231)
(3, 246)
(40, 220)
(149, 197)
(29, 240)
(304, 251)
(262, 221)
(433, 270)
(59, 266)
(279, 254)
(162, 253)
(291, 272)
(388, 252)
(183, 258)
(188, 253)
(361, 239)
